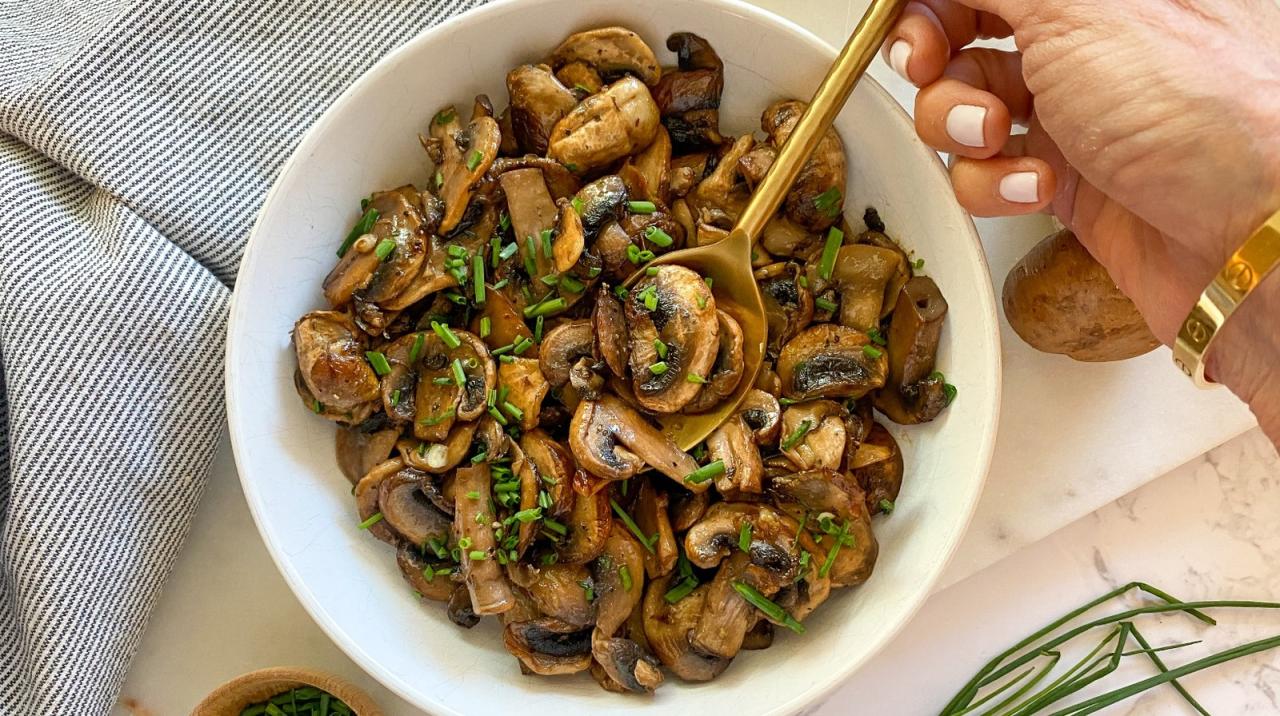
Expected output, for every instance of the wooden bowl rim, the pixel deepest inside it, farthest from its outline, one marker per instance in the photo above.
(233, 696)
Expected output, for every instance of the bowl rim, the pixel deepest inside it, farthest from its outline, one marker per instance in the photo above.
(368, 662)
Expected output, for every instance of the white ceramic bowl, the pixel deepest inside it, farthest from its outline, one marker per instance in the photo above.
(368, 140)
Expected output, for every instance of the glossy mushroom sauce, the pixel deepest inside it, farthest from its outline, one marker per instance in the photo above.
(494, 385)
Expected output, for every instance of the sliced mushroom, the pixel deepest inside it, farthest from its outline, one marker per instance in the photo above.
(617, 596)
(459, 608)
(610, 326)
(569, 238)
(406, 509)
(532, 212)
(506, 326)
(465, 156)
(359, 450)
(699, 82)
(414, 568)
(557, 590)
(716, 535)
(560, 181)
(763, 415)
(582, 77)
(651, 170)
(815, 435)
(684, 319)
(400, 222)
(619, 120)
(788, 302)
(878, 239)
(331, 359)
(727, 617)
(601, 200)
(805, 594)
(525, 388)
(824, 491)
(863, 274)
(614, 442)
(687, 508)
(831, 361)
(877, 468)
(366, 494)
(441, 457)
(548, 646)
(538, 101)
(720, 191)
(650, 514)
(440, 401)
(472, 524)
(816, 200)
(784, 237)
(755, 164)
(915, 393)
(687, 171)
(727, 370)
(562, 347)
(667, 627)
(760, 636)
(609, 50)
(588, 524)
(353, 271)
(733, 443)
(553, 466)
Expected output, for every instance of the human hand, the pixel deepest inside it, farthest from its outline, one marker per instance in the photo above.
(1153, 133)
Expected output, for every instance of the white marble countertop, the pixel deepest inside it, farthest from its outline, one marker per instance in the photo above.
(1074, 441)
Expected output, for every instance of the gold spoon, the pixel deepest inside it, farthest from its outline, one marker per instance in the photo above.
(728, 262)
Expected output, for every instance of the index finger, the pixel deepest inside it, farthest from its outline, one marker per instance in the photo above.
(930, 32)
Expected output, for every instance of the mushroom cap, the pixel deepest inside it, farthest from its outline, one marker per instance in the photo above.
(733, 443)
(613, 441)
(824, 437)
(562, 346)
(667, 627)
(877, 467)
(609, 50)
(685, 320)
(538, 101)
(914, 393)
(763, 414)
(406, 509)
(716, 535)
(609, 323)
(830, 361)
(359, 450)
(727, 370)
(816, 199)
(331, 359)
(548, 646)
(620, 120)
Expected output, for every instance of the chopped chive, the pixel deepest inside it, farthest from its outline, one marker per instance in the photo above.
(641, 207)
(919, 264)
(465, 543)
(788, 401)
(473, 159)
(695, 378)
(453, 263)
(588, 590)
(681, 590)
(501, 284)
(486, 326)
(571, 167)
(744, 537)
(537, 329)
(633, 254)
(555, 526)
(459, 377)
(546, 243)
(658, 368)
(709, 281)
(530, 256)
(645, 255)
(455, 298)
(872, 352)
(513, 411)
(374, 519)
(436, 420)
(384, 249)
(544, 499)
(624, 574)
(456, 252)
(477, 555)
(824, 304)
(878, 338)
(527, 516)
(753, 597)
(446, 334)
(473, 495)
(828, 202)
(508, 251)
(798, 434)
(477, 267)
(378, 361)
(445, 116)
(593, 272)
(660, 347)
(504, 221)
(651, 271)
(835, 237)
(362, 227)
(621, 292)
(548, 307)
(442, 380)
(502, 420)
(523, 345)
(439, 179)
(631, 525)
(571, 284)
(706, 472)
(702, 301)
(495, 246)
(507, 359)
(504, 349)
(550, 279)
(949, 391)
(658, 237)
(651, 301)
(395, 397)
(803, 281)
(886, 506)
(577, 205)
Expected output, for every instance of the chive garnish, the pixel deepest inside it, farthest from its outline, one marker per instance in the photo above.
(459, 377)
(660, 347)
(658, 368)
(496, 415)
(871, 352)
(436, 420)
(473, 495)
(681, 590)
(633, 254)
(316, 406)
(384, 249)
(798, 434)
(550, 279)
(439, 179)
(624, 574)
(546, 243)
(473, 159)
(645, 255)
(702, 301)
(651, 300)
(477, 266)
(824, 304)
(695, 378)
(374, 519)
(527, 516)
(646, 542)
(949, 391)
(523, 345)
(545, 308)
(835, 237)
(362, 227)
(706, 472)
(378, 361)
(764, 604)
(486, 326)
(886, 506)
(442, 380)
(828, 202)
(878, 338)
(577, 205)
(658, 237)
(445, 116)
(530, 256)
(456, 252)
(651, 271)
(555, 526)
(477, 555)
(744, 537)
(446, 334)
(537, 329)
(621, 292)
(504, 349)
(513, 411)
(479, 457)
(641, 207)
(571, 284)
(919, 264)
(508, 251)
(395, 397)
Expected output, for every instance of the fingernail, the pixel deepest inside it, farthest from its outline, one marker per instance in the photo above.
(965, 124)
(1021, 188)
(899, 56)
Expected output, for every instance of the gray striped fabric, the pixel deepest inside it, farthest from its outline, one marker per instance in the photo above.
(136, 144)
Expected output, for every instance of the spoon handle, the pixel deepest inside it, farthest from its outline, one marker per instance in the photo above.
(823, 108)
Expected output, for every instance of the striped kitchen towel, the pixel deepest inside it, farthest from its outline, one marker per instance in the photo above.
(137, 140)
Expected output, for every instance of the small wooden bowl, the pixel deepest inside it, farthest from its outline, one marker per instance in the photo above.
(232, 697)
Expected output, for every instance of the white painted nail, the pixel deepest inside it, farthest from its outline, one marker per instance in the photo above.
(1021, 188)
(899, 56)
(965, 124)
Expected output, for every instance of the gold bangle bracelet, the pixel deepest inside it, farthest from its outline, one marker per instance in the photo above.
(1248, 266)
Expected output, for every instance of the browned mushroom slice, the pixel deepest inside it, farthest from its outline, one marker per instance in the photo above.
(611, 246)
(613, 441)
(582, 77)
(717, 534)
(667, 627)
(805, 594)
(459, 608)
(331, 359)
(687, 171)
(609, 125)
(849, 549)
(406, 509)
(915, 393)
(415, 569)
(506, 326)
(650, 514)
(568, 241)
(562, 347)
(720, 191)
(674, 333)
(588, 526)
(359, 450)
(472, 525)
(439, 457)
(727, 617)
(609, 50)
(831, 361)
(508, 146)
(727, 370)
(733, 443)
(760, 636)
(763, 415)
(687, 508)
(560, 181)
(784, 237)
(402, 245)
(618, 578)
(462, 166)
(610, 326)
(652, 169)
(438, 394)
(863, 274)
(814, 434)
(557, 590)
(549, 647)
(816, 199)
(366, 494)
(877, 467)
(481, 375)
(399, 385)
(553, 467)
(532, 212)
(352, 271)
(755, 164)
(788, 302)
(698, 83)
(538, 101)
